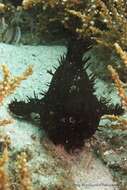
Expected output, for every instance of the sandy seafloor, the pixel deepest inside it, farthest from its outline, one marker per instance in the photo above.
(27, 136)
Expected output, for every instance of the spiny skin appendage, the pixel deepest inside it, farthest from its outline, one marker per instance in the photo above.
(70, 111)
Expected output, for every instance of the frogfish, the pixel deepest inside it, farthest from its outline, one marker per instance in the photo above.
(69, 111)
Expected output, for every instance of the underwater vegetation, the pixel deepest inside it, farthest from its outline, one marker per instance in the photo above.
(111, 142)
(115, 76)
(70, 102)
(98, 19)
(23, 173)
(55, 21)
(103, 21)
(7, 86)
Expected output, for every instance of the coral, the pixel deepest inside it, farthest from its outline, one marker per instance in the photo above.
(2, 8)
(118, 85)
(97, 20)
(23, 181)
(4, 180)
(115, 76)
(5, 122)
(121, 53)
(7, 87)
(110, 143)
(24, 173)
(118, 122)
(121, 123)
(105, 21)
(10, 83)
(30, 3)
(10, 21)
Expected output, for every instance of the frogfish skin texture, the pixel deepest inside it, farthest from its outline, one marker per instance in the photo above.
(69, 111)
